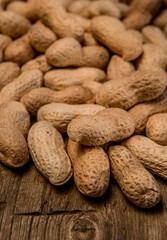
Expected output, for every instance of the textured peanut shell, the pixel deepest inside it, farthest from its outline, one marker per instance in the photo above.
(141, 13)
(54, 15)
(92, 85)
(61, 78)
(13, 24)
(8, 72)
(24, 83)
(138, 86)
(141, 112)
(26, 9)
(19, 51)
(48, 153)
(79, 8)
(161, 19)
(64, 52)
(40, 36)
(156, 128)
(85, 22)
(13, 148)
(112, 124)
(61, 114)
(112, 33)
(91, 169)
(117, 67)
(14, 115)
(39, 63)
(155, 35)
(38, 97)
(138, 185)
(152, 59)
(152, 155)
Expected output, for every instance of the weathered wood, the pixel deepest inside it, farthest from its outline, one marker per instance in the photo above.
(31, 208)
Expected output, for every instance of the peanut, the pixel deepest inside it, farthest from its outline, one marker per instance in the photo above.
(48, 153)
(39, 63)
(61, 78)
(38, 97)
(161, 19)
(156, 128)
(141, 112)
(60, 114)
(112, 124)
(89, 40)
(156, 36)
(24, 83)
(40, 37)
(91, 169)
(68, 52)
(4, 42)
(19, 51)
(118, 67)
(92, 85)
(134, 88)
(9, 71)
(141, 13)
(152, 155)
(157, 61)
(138, 185)
(13, 24)
(54, 15)
(112, 33)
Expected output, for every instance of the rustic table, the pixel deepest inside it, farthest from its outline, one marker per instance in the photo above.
(31, 208)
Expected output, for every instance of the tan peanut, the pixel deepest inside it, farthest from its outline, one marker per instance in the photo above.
(138, 86)
(112, 124)
(8, 72)
(39, 63)
(89, 40)
(61, 114)
(84, 22)
(112, 33)
(153, 58)
(161, 19)
(155, 35)
(54, 15)
(68, 52)
(48, 153)
(4, 42)
(26, 9)
(92, 85)
(38, 97)
(152, 155)
(141, 112)
(19, 51)
(24, 83)
(40, 36)
(138, 185)
(141, 13)
(80, 8)
(156, 128)
(14, 126)
(91, 169)
(61, 78)
(13, 24)
(118, 67)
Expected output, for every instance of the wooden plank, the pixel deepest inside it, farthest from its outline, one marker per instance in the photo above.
(31, 208)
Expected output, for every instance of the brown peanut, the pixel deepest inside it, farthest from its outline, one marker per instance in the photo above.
(38, 97)
(138, 86)
(112, 33)
(156, 128)
(24, 83)
(48, 153)
(112, 124)
(61, 114)
(91, 169)
(61, 78)
(152, 155)
(138, 185)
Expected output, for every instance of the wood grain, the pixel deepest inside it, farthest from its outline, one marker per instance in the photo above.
(31, 208)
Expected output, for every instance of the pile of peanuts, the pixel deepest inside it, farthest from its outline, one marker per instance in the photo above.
(94, 71)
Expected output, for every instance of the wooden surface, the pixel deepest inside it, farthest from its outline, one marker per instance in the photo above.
(31, 208)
